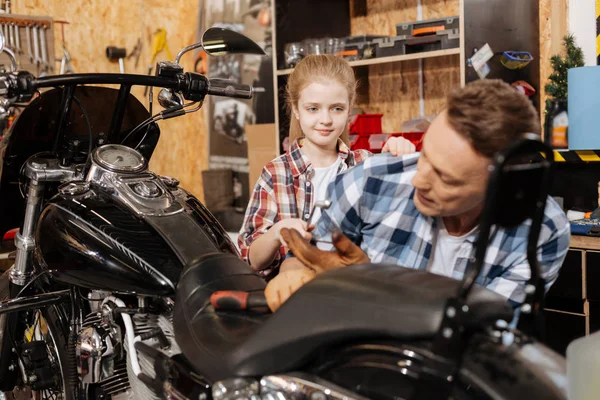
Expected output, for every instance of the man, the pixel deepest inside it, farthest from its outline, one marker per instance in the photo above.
(421, 211)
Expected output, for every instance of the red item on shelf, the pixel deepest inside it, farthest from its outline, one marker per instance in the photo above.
(366, 124)
(366, 133)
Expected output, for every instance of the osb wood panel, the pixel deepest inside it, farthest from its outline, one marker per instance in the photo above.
(95, 24)
(554, 17)
(394, 88)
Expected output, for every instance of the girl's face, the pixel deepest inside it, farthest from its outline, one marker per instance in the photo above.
(323, 110)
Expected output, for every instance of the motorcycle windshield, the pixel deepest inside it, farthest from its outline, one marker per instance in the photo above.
(35, 130)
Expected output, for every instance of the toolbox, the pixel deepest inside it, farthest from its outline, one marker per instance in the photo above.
(428, 27)
(359, 47)
(421, 36)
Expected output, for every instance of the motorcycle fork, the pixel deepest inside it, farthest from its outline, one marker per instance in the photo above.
(25, 240)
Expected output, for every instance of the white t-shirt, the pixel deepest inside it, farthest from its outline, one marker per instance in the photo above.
(447, 248)
(320, 180)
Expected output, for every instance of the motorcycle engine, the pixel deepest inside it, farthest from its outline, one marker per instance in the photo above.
(103, 352)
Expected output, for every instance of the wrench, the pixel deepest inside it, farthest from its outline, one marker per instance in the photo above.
(28, 38)
(5, 34)
(44, 48)
(36, 47)
(17, 35)
(11, 37)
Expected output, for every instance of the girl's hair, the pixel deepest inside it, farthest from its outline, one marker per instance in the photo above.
(314, 68)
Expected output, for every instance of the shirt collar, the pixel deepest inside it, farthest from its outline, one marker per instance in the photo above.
(299, 163)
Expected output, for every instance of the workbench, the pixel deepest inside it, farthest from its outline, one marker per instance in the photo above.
(572, 305)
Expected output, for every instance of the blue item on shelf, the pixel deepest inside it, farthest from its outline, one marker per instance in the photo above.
(587, 226)
(584, 108)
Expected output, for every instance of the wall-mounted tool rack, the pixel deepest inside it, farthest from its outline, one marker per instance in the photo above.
(31, 38)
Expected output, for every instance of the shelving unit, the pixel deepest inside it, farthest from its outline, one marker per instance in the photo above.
(405, 86)
(384, 60)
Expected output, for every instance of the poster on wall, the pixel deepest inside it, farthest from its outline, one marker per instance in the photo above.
(228, 117)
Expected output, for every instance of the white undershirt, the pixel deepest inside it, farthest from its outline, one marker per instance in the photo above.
(321, 179)
(446, 250)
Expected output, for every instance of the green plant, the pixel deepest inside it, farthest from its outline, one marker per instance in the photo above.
(557, 88)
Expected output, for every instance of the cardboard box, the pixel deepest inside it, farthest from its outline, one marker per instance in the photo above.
(262, 148)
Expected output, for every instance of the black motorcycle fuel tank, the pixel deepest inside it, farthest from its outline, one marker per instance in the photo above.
(93, 240)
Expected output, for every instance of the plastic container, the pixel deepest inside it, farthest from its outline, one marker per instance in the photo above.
(366, 124)
(583, 368)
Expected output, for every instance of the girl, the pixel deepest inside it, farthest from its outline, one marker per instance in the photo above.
(320, 93)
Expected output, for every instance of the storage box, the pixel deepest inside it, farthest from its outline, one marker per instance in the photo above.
(359, 47)
(427, 27)
(262, 148)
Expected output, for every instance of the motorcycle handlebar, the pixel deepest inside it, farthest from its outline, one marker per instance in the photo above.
(222, 87)
(193, 86)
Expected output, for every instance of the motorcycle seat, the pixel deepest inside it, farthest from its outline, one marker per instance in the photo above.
(359, 302)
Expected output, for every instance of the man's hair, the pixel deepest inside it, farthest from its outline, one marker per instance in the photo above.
(491, 115)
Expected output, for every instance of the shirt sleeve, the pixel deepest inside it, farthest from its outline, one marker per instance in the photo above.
(343, 215)
(260, 216)
(550, 254)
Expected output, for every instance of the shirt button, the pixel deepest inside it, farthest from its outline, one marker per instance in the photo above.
(306, 216)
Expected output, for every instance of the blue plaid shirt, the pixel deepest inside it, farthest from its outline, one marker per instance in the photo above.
(373, 205)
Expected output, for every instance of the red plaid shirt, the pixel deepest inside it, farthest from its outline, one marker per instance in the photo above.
(284, 190)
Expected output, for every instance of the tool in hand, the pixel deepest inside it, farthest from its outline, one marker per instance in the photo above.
(117, 54)
(323, 205)
(231, 300)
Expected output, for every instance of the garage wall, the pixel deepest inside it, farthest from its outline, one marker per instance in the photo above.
(96, 24)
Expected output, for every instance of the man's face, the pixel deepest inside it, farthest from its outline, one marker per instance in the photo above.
(451, 176)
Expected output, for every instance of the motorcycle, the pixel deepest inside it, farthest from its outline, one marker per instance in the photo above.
(112, 292)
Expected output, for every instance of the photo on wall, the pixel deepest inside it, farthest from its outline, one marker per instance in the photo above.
(229, 117)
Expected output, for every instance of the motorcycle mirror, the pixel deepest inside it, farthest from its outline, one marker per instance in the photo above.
(167, 99)
(220, 41)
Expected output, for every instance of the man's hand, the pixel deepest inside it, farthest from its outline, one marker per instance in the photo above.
(398, 146)
(280, 288)
(347, 253)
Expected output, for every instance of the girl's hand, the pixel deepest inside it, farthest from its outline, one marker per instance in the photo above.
(398, 146)
(291, 223)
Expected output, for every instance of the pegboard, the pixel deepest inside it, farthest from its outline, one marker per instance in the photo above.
(15, 30)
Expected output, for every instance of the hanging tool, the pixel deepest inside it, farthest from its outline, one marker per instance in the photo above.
(117, 54)
(159, 44)
(44, 47)
(136, 52)
(65, 61)
(28, 38)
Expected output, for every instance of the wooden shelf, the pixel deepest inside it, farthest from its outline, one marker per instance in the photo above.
(384, 60)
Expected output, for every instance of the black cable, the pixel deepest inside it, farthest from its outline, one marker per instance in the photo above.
(87, 121)
(187, 112)
(156, 117)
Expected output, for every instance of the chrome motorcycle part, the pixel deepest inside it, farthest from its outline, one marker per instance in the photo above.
(119, 159)
(95, 355)
(145, 324)
(300, 386)
(146, 195)
(74, 188)
(236, 388)
(168, 99)
(40, 168)
(99, 346)
(24, 240)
